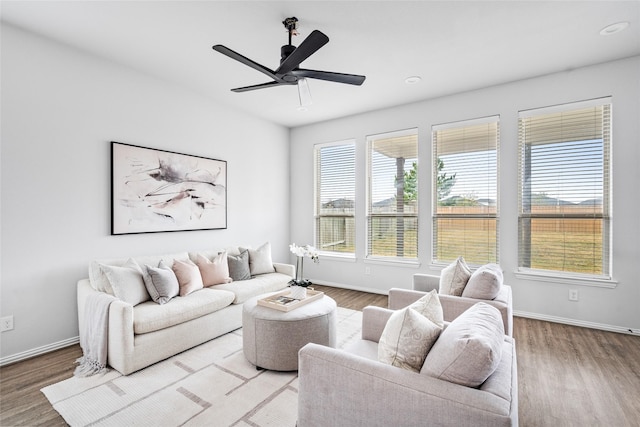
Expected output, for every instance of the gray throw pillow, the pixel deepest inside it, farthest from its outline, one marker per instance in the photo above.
(239, 266)
(162, 283)
(484, 283)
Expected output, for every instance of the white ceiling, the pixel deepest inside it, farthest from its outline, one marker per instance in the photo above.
(454, 46)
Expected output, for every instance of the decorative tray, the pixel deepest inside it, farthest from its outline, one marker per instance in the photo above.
(283, 302)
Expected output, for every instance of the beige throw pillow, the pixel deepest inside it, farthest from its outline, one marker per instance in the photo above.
(406, 339)
(454, 278)
(260, 259)
(188, 275)
(484, 283)
(214, 272)
(429, 306)
(469, 350)
(126, 282)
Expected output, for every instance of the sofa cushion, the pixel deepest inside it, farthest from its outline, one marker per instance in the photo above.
(126, 282)
(429, 306)
(239, 266)
(406, 339)
(214, 271)
(484, 283)
(149, 316)
(161, 282)
(188, 276)
(454, 277)
(260, 261)
(469, 349)
(245, 289)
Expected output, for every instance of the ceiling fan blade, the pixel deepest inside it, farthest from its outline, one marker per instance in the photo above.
(350, 79)
(259, 86)
(304, 93)
(308, 47)
(246, 61)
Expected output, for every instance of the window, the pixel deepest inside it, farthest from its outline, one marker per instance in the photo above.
(392, 206)
(335, 176)
(465, 181)
(564, 223)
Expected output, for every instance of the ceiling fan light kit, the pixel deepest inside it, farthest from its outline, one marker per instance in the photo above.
(289, 71)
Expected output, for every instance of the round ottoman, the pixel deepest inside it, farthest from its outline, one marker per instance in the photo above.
(271, 338)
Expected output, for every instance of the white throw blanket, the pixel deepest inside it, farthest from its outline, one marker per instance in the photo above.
(94, 335)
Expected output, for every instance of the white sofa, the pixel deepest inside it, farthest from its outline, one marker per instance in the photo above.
(145, 333)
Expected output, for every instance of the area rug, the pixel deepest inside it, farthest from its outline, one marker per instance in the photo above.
(209, 385)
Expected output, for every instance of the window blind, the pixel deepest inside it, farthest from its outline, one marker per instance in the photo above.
(335, 176)
(465, 191)
(392, 206)
(564, 191)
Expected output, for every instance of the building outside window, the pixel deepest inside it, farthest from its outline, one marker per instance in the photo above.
(392, 195)
(564, 192)
(465, 191)
(335, 183)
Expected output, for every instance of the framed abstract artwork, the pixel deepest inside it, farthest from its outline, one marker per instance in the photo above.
(158, 191)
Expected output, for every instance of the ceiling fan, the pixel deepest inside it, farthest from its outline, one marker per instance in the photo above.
(289, 72)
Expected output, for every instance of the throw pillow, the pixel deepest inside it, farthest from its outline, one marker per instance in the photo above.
(162, 283)
(239, 266)
(406, 339)
(469, 349)
(429, 306)
(214, 272)
(126, 282)
(260, 259)
(454, 278)
(188, 275)
(484, 283)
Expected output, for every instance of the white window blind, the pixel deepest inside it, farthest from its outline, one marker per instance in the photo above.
(392, 206)
(335, 189)
(564, 196)
(465, 191)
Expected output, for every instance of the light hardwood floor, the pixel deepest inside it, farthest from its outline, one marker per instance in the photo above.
(567, 376)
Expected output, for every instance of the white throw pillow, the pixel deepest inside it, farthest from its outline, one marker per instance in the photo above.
(406, 339)
(484, 283)
(454, 278)
(429, 306)
(127, 282)
(469, 349)
(260, 259)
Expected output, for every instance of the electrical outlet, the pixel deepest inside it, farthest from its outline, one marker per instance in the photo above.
(6, 323)
(573, 295)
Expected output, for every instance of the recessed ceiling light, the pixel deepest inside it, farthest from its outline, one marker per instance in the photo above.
(412, 80)
(614, 28)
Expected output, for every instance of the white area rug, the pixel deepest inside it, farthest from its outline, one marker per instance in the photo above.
(209, 385)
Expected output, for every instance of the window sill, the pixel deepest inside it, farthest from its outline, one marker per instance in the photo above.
(393, 262)
(569, 280)
(337, 257)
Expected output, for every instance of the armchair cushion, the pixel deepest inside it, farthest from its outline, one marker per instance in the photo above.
(470, 349)
(484, 283)
(406, 339)
(454, 278)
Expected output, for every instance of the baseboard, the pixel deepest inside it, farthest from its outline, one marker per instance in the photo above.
(574, 322)
(18, 357)
(353, 288)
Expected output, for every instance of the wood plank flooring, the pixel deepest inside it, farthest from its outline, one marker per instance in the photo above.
(567, 376)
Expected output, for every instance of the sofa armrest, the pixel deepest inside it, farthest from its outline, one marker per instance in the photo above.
(288, 269)
(374, 319)
(337, 388)
(425, 282)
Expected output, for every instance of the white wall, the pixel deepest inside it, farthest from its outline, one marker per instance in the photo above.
(60, 110)
(615, 309)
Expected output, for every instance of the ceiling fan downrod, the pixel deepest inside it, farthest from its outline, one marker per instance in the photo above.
(291, 24)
